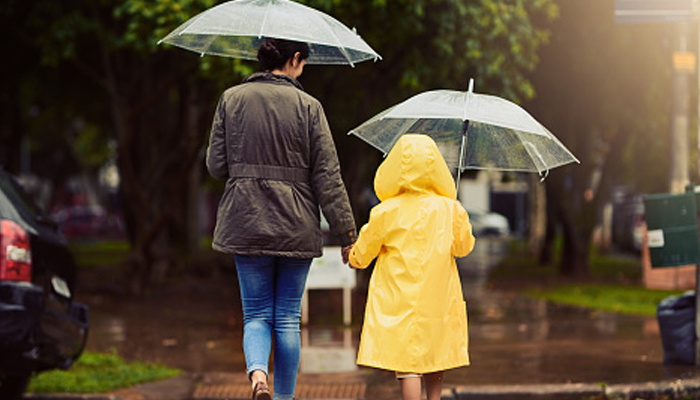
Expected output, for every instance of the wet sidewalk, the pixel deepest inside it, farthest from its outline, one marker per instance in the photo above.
(520, 348)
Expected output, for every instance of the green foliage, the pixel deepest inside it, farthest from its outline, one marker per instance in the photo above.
(621, 299)
(99, 373)
(146, 22)
(91, 147)
(442, 43)
(425, 44)
(620, 267)
(101, 59)
(78, 31)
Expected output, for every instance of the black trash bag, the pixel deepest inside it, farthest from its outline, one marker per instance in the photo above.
(676, 316)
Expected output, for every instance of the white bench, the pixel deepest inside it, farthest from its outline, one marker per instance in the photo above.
(329, 272)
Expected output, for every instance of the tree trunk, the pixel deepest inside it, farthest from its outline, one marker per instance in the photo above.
(575, 260)
(552, 199)
(156, 158)
(537, 211)
(194, 129)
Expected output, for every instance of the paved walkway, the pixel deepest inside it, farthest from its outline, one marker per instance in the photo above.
(197, 388)
(520, 348)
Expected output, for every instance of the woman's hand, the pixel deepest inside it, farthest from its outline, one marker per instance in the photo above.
(345, 251)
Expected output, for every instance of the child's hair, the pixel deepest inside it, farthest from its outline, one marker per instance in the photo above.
(274, 53)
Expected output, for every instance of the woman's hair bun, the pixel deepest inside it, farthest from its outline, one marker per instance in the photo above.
(274, 53)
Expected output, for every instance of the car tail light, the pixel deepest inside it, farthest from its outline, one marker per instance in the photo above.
(15, 255)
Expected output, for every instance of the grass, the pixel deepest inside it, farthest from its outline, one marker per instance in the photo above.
(99, 373)
(110, 252)
(100, 252)
(634, 300)
(613, 284)
(519, 263)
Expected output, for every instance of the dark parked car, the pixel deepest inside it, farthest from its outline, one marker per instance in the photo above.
(41, 327)
(87, 222)
(487, 223)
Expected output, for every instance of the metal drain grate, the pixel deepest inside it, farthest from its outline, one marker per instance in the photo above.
(331, 390)
(222, 392)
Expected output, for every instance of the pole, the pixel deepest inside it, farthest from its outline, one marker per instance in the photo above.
(680, 120)
(696, 13)
(697, 314)
(696, 4)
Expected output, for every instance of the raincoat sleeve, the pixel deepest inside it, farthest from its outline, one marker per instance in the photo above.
(463, 241)
(327, 181)
(217, 164)
(369, 242)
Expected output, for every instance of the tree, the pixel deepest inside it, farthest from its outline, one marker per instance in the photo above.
(159, 100)
(603, 89)
(158, 107)
(424, 44)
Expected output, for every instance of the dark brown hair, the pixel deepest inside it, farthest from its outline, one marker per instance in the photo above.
(274, 53)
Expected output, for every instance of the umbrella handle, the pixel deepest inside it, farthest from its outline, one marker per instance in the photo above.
(461, 155)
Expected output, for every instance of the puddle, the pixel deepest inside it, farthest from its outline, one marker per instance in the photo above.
(327, 350)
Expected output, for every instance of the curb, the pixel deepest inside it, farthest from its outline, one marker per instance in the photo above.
(667, 390)
(48, 396)
(680, 389)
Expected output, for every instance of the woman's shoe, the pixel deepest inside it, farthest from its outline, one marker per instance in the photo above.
(261, 391)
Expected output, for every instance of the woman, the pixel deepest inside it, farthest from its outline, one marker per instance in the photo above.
(271, 142)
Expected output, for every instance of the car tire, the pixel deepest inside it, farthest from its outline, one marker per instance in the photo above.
(12, 387)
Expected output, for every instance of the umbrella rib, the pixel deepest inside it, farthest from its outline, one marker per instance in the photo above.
(264, 21)
(206, 48)
(530, 149)
(369, 142)
(339, 44)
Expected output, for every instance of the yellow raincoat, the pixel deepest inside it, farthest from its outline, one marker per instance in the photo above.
(416, 317)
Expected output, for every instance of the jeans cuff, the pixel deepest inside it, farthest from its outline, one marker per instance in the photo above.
(254, 368)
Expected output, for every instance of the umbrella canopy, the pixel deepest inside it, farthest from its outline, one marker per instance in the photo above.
(238, 28)
(473, 131)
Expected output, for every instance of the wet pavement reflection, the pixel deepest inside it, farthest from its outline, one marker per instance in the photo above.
(196, 325)
(519, 340)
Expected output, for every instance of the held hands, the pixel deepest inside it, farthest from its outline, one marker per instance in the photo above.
(345, 251)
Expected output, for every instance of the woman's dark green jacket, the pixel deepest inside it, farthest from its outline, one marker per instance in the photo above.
(271, 141)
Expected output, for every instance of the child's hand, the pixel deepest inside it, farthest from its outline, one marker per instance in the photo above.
(345, 252)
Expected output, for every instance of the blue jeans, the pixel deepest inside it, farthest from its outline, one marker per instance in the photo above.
(271, 291)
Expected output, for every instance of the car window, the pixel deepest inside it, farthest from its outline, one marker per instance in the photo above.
(16, 195)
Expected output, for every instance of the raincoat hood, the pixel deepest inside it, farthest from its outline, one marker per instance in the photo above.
(414, 164)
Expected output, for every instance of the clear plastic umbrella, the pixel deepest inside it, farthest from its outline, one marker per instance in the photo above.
(237, 28)
(473, 131)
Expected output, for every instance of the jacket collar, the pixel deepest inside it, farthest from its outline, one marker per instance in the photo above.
(270, 77)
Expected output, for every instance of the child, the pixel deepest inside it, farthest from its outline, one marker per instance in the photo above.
(416, 318)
